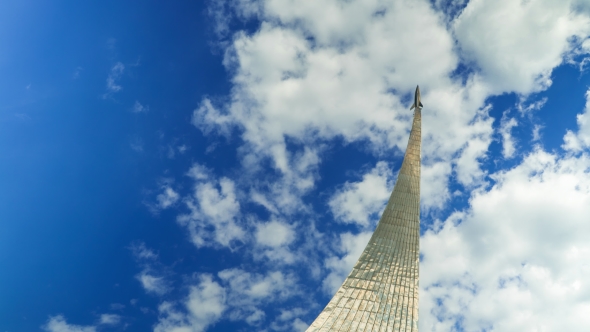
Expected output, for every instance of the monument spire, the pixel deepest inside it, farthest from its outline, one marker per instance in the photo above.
(381, 292)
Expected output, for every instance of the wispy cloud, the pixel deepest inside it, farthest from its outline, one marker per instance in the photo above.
(537, 132)
(22, 116)
(580, 140)
(152, 283)
(203, 306)
(110, 319)
(139, 108)
(142, 252)
(59, 324)
(112, 85)
(236, 292)
(77, 73)
(136, 144)
(153, 274)
(508, 141)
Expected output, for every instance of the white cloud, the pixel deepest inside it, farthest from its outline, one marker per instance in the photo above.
(214, 211)
(142, 252)
(305, 78)
(516, 44)
(199, 172)
(433, 184)
(182, 148)
(113, 85)
(59, 324)
(361, 202)
(299, 325)
(523, 107)
(208, 119)
(153, 283)
(508, 142)
(167, 198)
(247, 291)
(581, 139)
(537, 132)
(309, 79)
(517, 259)
(272, 242)
(139, 108)
(288, 320)
(110, 319)
(203, 307)
(274, 234)
(239, 298)
(248, 288)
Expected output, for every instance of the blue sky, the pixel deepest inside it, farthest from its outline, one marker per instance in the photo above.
(219, 166)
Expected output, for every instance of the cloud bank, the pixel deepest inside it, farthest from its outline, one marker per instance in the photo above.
(513, 259)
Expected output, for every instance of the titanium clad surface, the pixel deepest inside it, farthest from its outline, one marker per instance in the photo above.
(381, 291)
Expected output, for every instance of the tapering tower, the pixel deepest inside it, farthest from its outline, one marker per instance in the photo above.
(381, 292)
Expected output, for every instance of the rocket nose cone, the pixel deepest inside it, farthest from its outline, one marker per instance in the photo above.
(417, 89)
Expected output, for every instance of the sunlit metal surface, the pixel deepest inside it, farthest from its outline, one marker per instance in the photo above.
(381, 292)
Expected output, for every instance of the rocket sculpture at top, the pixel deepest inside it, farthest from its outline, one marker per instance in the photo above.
(381, 292)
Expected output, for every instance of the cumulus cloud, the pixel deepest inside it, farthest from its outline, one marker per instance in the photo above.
(516, 260)
(167, 198)
(110, 319)
(508, 143)
(288, 320)
(202, 307)
(59, 324)
(299, 325)
(272, 242)
(516, 44)
(307, 79)
(304, 79)
(274, 234)
(214, 210)
(579, 140)
(238, 294)
(360, 202)
(247, 291)
(250, 288)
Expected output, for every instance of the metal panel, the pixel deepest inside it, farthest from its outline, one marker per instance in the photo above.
(381, 292)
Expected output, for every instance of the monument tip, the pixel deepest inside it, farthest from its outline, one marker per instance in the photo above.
(417, 102)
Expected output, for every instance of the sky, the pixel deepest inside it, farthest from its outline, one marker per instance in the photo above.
(219, 166)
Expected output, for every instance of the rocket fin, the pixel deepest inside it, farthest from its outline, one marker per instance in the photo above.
(411, 108)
